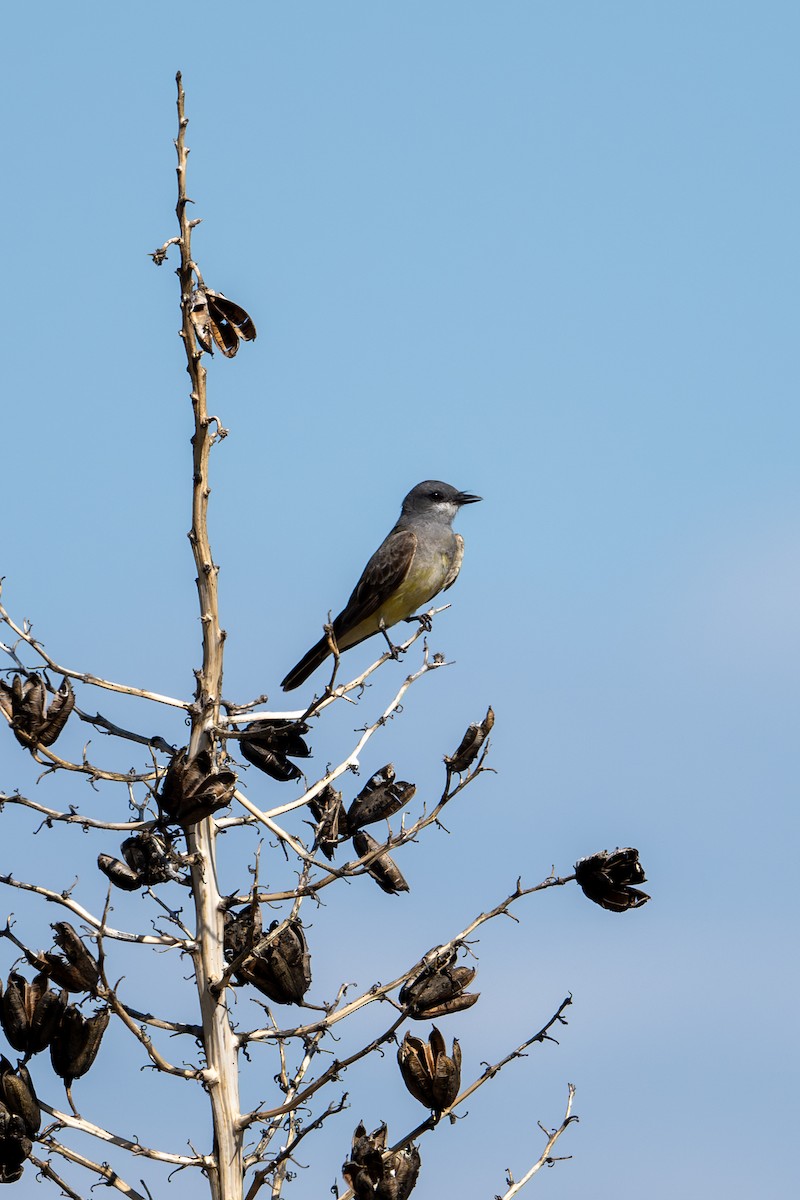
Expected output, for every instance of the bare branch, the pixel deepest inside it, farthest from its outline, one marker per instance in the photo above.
(24, 634)
(70, 1121)
(545, 1159)
(73, 817)
(66, 901)
(45, 1168)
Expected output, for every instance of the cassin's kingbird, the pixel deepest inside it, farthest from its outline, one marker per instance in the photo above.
(420, 558)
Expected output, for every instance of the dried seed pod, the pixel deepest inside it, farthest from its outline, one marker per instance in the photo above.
(78, 971)
(439, 989)
(606, 878)
(242, 930)
(146, 854)
(30, 1013)
(76, 1042)
(15, 1146)
(365, 1166)
(382, 869)
(25, 704)
(18, 1095)
(269, 745)
(377, 1174)
(470, 744)
(215, 318)
(328, 811)
(192, 791)
(400, 1172)
(431, 1075)
(119, 873)
(447, 1007)
(379, 799)
(282, 968)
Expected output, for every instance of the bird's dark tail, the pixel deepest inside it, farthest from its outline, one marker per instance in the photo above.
(307, 665)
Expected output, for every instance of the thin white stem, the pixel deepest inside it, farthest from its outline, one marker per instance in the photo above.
(73, 1122)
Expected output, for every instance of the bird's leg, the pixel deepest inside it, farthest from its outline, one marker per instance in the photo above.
(424, 619)
(395, 651)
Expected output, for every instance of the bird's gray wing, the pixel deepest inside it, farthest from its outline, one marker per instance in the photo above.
(455, 566)
(380, 579)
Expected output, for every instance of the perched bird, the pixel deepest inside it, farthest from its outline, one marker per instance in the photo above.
(420, 558)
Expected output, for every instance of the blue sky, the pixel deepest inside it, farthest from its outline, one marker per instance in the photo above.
(548, 253)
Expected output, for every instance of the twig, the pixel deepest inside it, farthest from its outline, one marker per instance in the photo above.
(83, 676)
(491, 1071)
(545, 1159)
(332, 1072)
(352, 760)
(133, 1147)
(380, 991)
(289, 1149)
(73, 817)
(45, 1168)
(102, 1169)
(66, 901)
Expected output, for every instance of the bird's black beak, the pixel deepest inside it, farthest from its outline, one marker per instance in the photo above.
(467, 498)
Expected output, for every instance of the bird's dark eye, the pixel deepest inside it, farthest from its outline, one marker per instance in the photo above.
(436, 495)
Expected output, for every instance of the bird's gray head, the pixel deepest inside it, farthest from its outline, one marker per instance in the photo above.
(436, 499)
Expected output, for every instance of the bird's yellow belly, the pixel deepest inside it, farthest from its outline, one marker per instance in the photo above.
(419, 586)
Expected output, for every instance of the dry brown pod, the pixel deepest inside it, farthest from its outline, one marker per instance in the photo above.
(15, 1146)
(470, 744)
(383, 869)
(281, 969)
(606, 878)
(192, 790)
(380, 798)
(18, 1095)
(216, 319)
(439, 989)
(77, 971)
(431, 1075)
(30, 1013)
(242, 930)
(32, 721)
(328, 811)
(119, 873)
(375, 1173)
(76, 1042)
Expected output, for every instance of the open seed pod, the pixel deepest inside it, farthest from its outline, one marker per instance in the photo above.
(470, 745)
(328, 811)
(282, 968)
(439, 989)
(77, 971)
(382, 796)
(18, 1096)
(192, 790)
(242, 930)
(15, 1146)
(383, 869)
(268, 745)
(76, 1042)
(30, 1013)
(377, 1174)
(431, 1074)
(606, 878)
(32, 721)
(216, 319)
(146, 854)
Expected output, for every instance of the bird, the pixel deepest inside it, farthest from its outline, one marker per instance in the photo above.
(420, 558)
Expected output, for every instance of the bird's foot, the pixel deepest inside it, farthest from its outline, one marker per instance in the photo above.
(395, 651)
(424, 619)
